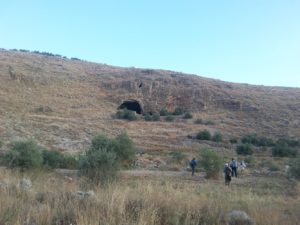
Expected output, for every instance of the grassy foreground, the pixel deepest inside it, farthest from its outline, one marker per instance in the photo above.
(144, 201)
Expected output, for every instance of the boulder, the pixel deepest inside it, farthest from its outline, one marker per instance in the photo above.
(238, 217)
(25, 184)
(83, 194)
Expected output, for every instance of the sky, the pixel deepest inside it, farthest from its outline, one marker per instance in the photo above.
(244, 41)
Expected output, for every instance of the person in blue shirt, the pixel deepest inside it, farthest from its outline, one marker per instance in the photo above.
(193, 164)
(234, 167)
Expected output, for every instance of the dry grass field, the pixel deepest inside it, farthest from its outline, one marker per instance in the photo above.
(145, 200)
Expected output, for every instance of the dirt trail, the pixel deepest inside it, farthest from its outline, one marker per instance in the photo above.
(182, 175)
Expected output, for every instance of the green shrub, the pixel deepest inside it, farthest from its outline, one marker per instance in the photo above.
(169, 118)
(257, 141)
(198, 121)
(148, 117)
(217, 137)
(209, 122)
(288, 142)
(163, 112)
(178, 111)
(156, 116)
(244, 149)
(294, 170)
(1, 144)
(204, 122)
(56, 159)
(123, 147)
(103, 159)
(204, 135)
(69, 162)
(211, 162)
(99, 165)
(187, 115)
(283, 150)
(25, 154)
(52, 159)
(126, 114)
(233, 140)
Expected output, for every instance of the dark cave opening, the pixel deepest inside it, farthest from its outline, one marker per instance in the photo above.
(132, 105)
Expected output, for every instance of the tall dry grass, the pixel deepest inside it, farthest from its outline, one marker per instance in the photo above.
(145, 202)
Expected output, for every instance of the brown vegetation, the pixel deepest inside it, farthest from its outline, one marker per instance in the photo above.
(53, 200)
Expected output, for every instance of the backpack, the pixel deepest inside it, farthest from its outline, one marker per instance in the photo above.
(192, 163)
(227, 171)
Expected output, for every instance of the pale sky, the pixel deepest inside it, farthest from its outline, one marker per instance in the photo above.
(245, 41)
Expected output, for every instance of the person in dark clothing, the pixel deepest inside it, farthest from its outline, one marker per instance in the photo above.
(234, 166)
(193, 164)
(227, 174)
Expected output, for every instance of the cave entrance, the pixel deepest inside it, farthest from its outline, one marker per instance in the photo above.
(132, 105)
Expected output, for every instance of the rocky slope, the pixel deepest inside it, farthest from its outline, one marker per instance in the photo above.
(63, 103)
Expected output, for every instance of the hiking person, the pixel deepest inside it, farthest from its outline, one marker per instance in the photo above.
(193, 164)
(227, 174)
(234, 166)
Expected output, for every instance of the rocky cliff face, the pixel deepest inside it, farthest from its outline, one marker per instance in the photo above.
(80, 98)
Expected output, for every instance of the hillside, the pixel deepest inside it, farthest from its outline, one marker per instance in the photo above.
(63, 103)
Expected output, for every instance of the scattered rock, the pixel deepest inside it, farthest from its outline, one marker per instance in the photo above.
(83, 194)
(286, 168)
(90, 194)
(25, 184)
(238, 217)
(69, 179)
(44, 109)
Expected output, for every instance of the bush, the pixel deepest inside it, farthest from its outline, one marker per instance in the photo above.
(257, 141)
(148, 117)
(104, 157)
(288, 142)
(169, 118)
(204, 135)
(198, 121)
(233, 140)
(178, 111)
(217, 137)
(163, 112)
(205, 122)
(294, 170)
(187, 115)
(99, 165)
(211, 162)
(154, 117)
(123, 147)
(209, 122)
(283, 150)
(244, 149)
(25, 154)
(52, 159)
(126, 114)
(56, 159)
